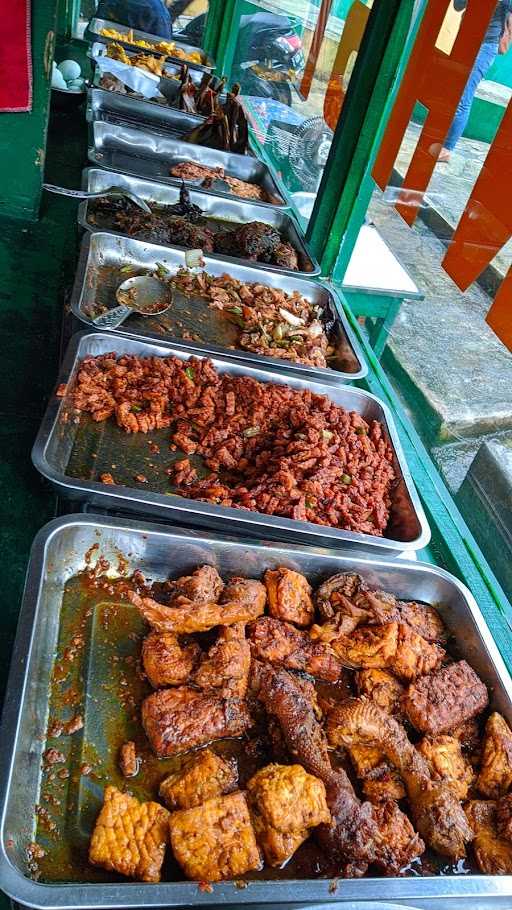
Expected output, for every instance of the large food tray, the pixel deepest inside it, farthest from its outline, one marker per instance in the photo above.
(104, 263)
(226, 212)
(58, 554)
(127, 110)
(71, 449)
(92, 33)
(143, 153)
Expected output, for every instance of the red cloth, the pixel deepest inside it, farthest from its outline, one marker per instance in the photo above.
(15, 56)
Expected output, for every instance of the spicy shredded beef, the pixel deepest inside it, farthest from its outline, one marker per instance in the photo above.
(269, 448)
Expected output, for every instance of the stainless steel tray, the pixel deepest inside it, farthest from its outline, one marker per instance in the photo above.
(58, 553)
(143, 153)
(92, 33)
(233, 211)
(103, 255)
(407, 531)
(128, 110)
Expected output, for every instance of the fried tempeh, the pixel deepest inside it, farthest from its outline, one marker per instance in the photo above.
(130, 837)
(176, 720)
(205, 776)
(443, 700)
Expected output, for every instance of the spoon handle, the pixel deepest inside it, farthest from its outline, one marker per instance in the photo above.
(113, 318)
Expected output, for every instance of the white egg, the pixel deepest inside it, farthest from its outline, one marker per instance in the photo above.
(70, 69)
(58, 80)
(76, 85)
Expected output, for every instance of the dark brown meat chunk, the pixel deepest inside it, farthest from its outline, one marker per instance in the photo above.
(282, 645)
(504, 817)
(177, 720)
(289, 596)
(443, 700)
(166, 662)
(254, 240)
(225, 669)
(285, 257)
(436, 811)
(204, 585)
(399, 843)
(493, 853)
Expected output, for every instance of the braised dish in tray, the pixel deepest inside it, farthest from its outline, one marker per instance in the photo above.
(274, 730)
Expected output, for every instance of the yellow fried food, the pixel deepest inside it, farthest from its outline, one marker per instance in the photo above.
(204, 777)
(130, 837)
(495, 776)
(446, 762)
(289, 596)
(216, 840)
(493, 853)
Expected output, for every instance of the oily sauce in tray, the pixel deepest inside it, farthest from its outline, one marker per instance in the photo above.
(96, 689)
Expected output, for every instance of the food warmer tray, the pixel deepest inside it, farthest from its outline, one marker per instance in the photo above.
(92, 33)
(104, 262)
(230, 211)
(66, 442)
(143, 153)
(58, 553)
(127, 110)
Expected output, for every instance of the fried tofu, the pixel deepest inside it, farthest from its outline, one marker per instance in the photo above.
(286, 803)
(225, 669)
(130, 837)
(445, 761)
(382, 687)
(204, 777)
(166, 662)
(442, 701)
(289, 596)
(492, 852)
(495, 776)
(216, 840)
(177, 720)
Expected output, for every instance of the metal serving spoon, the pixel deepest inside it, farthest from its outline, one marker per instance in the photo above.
(142, 294)
(114, 192)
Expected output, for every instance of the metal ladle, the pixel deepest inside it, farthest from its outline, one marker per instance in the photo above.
(113, 192)
(141, 294)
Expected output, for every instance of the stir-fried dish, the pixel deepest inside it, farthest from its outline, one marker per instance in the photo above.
(266, 447)
(168, 48)
(365, 737)
(209, 177)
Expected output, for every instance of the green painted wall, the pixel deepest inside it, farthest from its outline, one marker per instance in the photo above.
(23, 136)
(501, 70)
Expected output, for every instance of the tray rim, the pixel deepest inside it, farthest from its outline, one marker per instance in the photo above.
(234, 200)
(212, 513)
(356, 892)
(287, 366)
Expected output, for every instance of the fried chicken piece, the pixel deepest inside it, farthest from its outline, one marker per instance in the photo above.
(130, 837)
(166, 662)
(129, 763)
(436, 812)
(381, 781)
(391, 645)
(225, 668)
(504, 817)
(352, 833)
(205, 776)
(399, 842)
(493, 853)
(349, 595)
(289, 596)
(286, 803)
(283, 645)
(204, 586)
(216, 840)
(382, 687)
(441, 701)
(247, 605)
(495, 776)
(446, 762)
(176, 720)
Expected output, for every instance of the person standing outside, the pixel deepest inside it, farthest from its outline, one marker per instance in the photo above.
(497, 40)
(151, 16)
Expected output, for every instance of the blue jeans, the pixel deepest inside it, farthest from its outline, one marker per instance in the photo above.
(485, 59)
